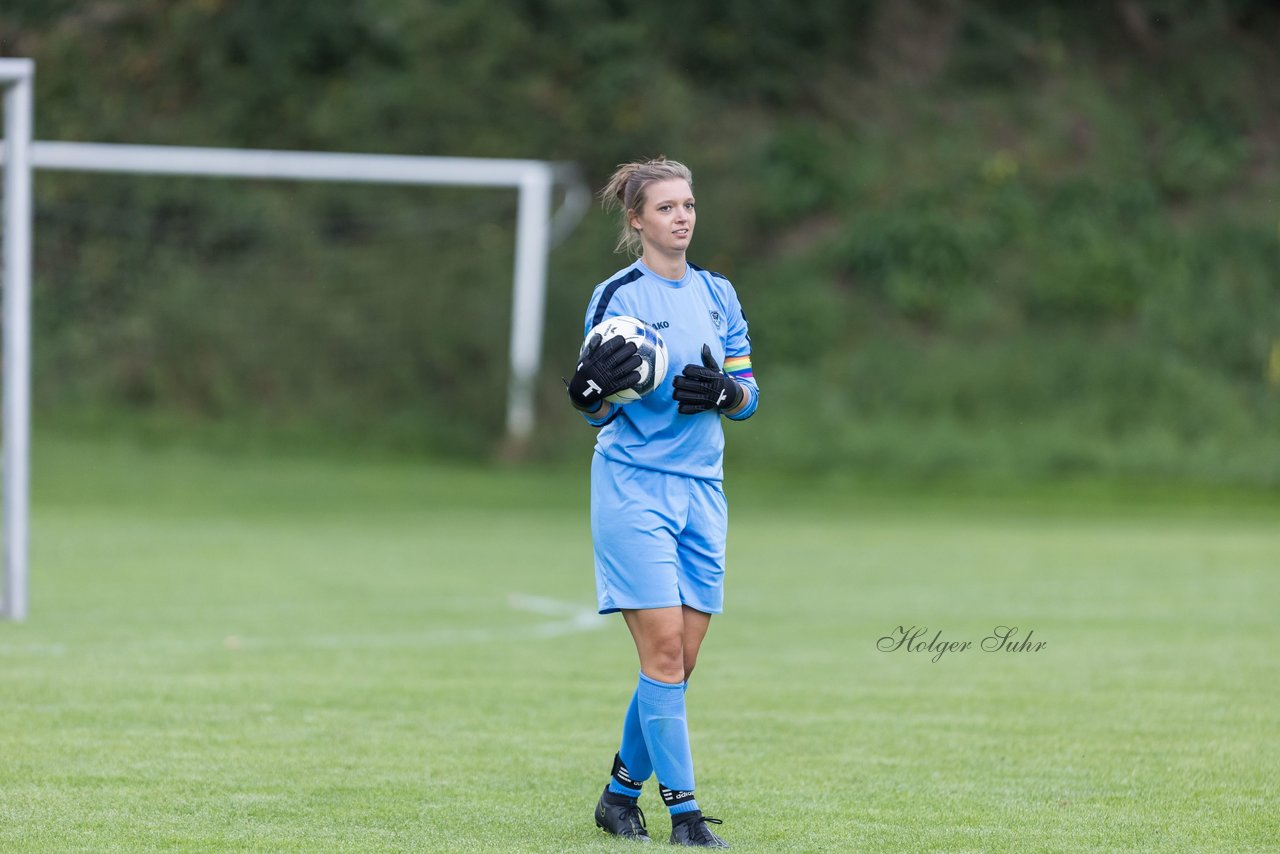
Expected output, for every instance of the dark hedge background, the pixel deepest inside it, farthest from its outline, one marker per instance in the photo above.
(1021, 239)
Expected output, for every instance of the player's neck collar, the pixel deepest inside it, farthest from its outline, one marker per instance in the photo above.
(686, 269)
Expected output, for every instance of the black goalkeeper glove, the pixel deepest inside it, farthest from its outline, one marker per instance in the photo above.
(699, 388)
(605, 368)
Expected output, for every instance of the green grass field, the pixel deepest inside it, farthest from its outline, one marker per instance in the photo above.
(266, 654)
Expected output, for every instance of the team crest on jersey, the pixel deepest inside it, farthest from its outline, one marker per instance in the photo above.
(715, 318)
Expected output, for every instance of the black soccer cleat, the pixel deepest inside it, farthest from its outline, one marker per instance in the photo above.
(690, 828)
(621, 816)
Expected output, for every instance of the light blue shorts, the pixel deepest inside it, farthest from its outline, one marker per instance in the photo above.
(659, 538)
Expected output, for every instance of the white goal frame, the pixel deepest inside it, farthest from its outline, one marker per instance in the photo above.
(537, 230)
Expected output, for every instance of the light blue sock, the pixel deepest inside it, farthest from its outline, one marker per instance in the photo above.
(684, 806)
(666, 732)
(633, 755)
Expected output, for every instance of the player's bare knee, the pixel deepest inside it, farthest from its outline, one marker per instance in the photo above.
(666, 661)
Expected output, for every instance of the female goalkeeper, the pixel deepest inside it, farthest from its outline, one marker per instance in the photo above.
(658, 511)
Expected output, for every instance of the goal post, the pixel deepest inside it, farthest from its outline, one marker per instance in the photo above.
(537, 230)
(16, 76)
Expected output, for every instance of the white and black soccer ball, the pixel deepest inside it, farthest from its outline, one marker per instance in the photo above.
(649, 346)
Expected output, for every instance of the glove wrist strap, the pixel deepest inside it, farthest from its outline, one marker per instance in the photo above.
(736, 393)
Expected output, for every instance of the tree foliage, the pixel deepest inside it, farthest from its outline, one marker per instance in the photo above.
(911, 197)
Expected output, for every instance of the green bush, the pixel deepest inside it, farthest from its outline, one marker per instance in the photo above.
(1026, 238)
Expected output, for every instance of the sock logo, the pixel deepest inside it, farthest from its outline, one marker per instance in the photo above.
(671, 797)
(622, 775)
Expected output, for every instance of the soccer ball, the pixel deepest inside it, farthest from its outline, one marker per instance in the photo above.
(649, 346)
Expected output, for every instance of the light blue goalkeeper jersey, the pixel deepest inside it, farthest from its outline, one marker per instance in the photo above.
(700, 308)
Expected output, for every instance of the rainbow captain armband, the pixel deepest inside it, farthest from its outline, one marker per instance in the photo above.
(739, 367)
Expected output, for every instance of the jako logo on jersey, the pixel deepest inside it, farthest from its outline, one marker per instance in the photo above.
(715, 318)
(660, 324)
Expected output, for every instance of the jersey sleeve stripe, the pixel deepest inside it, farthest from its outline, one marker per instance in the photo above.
(608, 292)
(708, 272)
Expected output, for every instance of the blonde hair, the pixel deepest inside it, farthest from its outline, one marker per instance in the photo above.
(626, 192)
